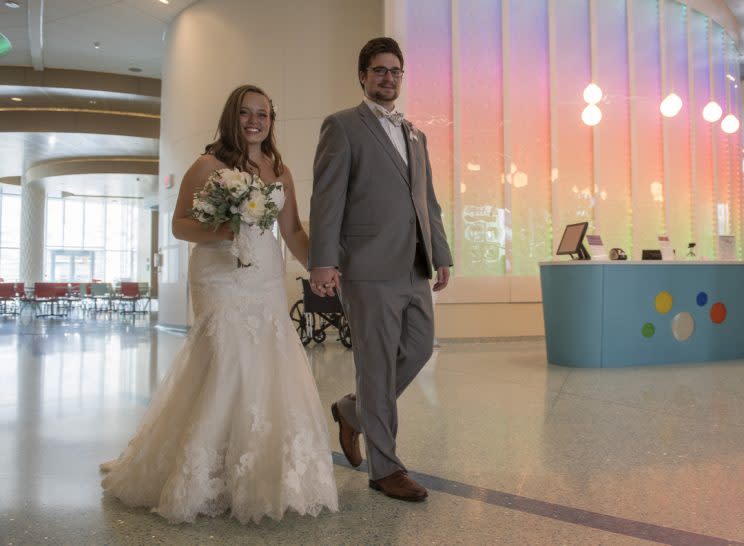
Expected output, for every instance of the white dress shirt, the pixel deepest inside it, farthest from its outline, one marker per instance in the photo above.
(397, 137)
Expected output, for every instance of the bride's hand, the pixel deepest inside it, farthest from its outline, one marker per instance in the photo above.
(225, 232)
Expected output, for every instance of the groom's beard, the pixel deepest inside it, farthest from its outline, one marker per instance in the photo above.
(385, 96)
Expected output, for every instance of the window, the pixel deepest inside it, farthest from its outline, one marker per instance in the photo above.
(10, 232)
(90, 239)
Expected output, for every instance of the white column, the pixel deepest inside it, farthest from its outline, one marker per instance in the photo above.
(33, 217)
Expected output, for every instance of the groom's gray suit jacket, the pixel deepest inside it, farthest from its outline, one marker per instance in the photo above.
(367, 205)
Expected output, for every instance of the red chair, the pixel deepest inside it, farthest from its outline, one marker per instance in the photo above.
(49, 294)
(131, 293)
(8, 299)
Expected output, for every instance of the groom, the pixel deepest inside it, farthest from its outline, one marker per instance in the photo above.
(376, 230)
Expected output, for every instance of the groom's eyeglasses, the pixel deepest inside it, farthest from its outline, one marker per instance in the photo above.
(381, 71)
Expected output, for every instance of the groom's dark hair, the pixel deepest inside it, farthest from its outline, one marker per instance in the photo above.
(376, 46)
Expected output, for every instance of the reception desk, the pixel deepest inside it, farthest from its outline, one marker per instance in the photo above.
(613, 314)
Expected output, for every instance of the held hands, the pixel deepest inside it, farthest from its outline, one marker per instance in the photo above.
(443, 275)
(323, 281)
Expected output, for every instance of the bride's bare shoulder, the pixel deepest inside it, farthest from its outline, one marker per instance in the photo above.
(208, 163)
(205, 165)
(286, 176)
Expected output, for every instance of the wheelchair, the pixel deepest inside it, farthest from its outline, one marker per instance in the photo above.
(313, 315)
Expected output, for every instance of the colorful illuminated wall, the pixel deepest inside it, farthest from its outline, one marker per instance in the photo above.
(497, 85)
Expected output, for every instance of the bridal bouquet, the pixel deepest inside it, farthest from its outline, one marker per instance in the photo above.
(238, 197)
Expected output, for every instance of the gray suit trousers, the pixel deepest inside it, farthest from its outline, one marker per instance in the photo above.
(392, 334)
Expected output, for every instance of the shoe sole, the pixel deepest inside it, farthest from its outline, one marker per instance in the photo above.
(337, 418)
(374, 485)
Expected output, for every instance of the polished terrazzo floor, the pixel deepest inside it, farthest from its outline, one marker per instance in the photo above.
(513, 450)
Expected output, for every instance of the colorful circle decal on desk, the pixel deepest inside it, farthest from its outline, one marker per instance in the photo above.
(718, 312)
(663, 302)
(648, 330)
(702, 298)
(683, 325)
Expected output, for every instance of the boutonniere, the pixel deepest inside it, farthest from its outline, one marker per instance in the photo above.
(412, 131)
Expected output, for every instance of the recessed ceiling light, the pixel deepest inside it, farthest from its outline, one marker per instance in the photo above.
(134, 69)
(12, 4)
(165, 1)
(97, 45)
(16, 99)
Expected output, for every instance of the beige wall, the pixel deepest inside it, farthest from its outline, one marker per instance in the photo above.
(303, 54)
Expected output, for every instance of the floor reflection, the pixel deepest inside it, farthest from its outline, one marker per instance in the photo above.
(639, 444)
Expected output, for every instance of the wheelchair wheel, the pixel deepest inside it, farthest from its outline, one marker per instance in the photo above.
(304, 322)
(344, 332)
(319, 336)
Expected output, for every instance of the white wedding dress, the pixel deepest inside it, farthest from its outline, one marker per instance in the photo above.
(236, 425)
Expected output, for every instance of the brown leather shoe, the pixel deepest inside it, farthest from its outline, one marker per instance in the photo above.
(347, 437)
(399, 486)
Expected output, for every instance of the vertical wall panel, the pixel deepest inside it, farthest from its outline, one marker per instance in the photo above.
(481, 115)
(648, 175)
(527, 132)
(703, 203)
(720, 139)
(733, 141)
(572, 177)
(613, 210)
(736, 157)
(428, 80)
(677, 129)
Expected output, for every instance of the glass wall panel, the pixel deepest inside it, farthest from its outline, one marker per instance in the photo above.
(73, 228)
(647, 170)
(9, 263)
(701, 166)
(612, 136)
(480, 169)
(55, 221)
(11, 220)
(572, 187)
(95, 224)
(10, 232)
(721, 165)
(676, 130)
(428, 82)
(527, 128)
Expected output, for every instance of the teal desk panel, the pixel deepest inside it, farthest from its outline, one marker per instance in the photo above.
(650, 313)
(572, 312)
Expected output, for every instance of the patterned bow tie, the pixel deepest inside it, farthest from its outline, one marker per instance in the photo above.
(396, 118)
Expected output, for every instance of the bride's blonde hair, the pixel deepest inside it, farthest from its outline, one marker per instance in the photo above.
(230, 147)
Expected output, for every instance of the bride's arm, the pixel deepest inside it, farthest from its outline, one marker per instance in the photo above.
(184, 226)
(289, 222)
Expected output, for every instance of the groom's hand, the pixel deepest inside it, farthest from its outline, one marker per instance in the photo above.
(443, 276)
(323, 280)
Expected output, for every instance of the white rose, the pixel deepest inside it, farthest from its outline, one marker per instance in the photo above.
(234, 181)
(204, 206)
(252, 209)
(277, 196)
(249, 179)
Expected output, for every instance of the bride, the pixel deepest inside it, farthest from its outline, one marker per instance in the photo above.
(236, 425)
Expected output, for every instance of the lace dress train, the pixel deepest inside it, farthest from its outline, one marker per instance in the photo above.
(236, 425)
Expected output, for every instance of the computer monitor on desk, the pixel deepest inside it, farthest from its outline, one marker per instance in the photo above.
(572, 242)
